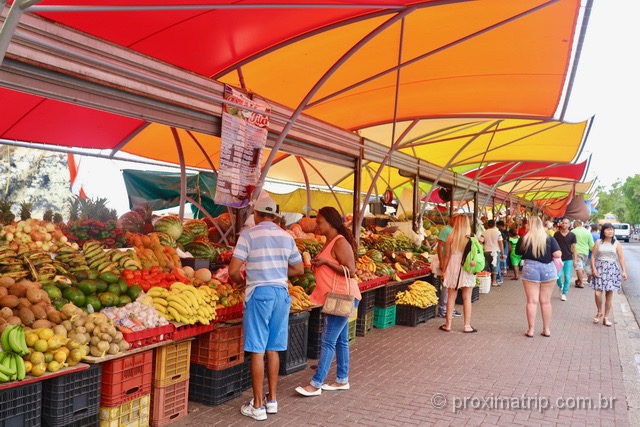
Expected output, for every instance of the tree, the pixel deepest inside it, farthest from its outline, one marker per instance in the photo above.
(609, 201)
(631, 192)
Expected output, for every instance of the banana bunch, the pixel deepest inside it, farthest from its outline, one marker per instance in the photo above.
(365, 263)
(11, 265)
(41, 266)
(97, 258)
(14, 346)
(124, 259)
(419, 294)
(73, 258)
(12, 367)
(185, 303)
(299, 298)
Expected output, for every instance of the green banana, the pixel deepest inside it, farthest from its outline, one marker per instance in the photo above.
(23, 342)
(4, 339)
(4, 378)
(17, 340)
(21, 371)
(14, 367)
(6, 370)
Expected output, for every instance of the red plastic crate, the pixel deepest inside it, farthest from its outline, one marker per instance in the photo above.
(229, 313)
(171, 363)
(415, 273)
(219, 349)
(149, 336)
(126, 378)
(373, 283)
(169, 404)
(187, 331)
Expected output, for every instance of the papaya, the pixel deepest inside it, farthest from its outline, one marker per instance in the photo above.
(109, 277)
(87, 286)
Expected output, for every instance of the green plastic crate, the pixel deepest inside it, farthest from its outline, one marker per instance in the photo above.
(384, 317)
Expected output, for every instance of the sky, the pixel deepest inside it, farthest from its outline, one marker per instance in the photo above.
(606, 87)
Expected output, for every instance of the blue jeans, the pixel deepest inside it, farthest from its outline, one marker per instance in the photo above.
(564, 276)
(335, 339)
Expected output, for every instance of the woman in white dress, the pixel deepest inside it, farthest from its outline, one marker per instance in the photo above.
(455, 277)
(608, 269)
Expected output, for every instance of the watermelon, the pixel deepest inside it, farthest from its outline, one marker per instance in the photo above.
(202, 250)
(197, 226)
(170, 225)
(165, 239)
(186, 237)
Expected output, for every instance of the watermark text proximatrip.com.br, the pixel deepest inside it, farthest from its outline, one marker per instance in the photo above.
(522, 402)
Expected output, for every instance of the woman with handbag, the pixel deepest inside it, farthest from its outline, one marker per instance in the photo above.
(456, 277)
(540, 253)
(333, 266)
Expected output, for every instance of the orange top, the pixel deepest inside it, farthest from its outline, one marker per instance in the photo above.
(325, 277)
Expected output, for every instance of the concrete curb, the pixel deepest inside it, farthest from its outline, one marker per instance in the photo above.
(628, 338)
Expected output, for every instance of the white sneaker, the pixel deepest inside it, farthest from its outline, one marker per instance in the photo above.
(259, 414)
(563, 297)
(272, 405)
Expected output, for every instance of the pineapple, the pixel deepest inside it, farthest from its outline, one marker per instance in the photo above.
(48, 215)
(146, 213)
(6, 216)
(57, 219)
(25, 210)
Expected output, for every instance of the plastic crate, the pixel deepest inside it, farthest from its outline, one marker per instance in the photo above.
(149, 336)
(93, 420)
(415, 273)
(245, 382)
(364, 324)
(373, 283)
(187, 331)
(475, 295)
(171, 363)
(126, 378)
(316, 319)
(294, 358)
(386, 296)
(213, 388)
(384, 317)
(71, 397)
(351, 334)
(219, 349)
(409, 315)
(314, 340)
(229, 313)
(133, 413)
(368, 301)
(170, 403)
(21, 405)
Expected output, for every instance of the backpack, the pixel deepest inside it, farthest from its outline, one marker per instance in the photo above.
(473, 256)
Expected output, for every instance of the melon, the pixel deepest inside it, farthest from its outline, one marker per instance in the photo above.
(170, 225)
(131, 221)
(203, 274)
(308, 224)
(197, 226)
(202, 250)
(186, 237)
(165, 239)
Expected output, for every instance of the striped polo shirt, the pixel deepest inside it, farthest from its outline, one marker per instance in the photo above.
(268, 251)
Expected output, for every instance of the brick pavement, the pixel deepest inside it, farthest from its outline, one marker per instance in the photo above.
(401, 374)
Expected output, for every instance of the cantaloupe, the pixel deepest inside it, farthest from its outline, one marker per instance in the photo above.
(203, 274)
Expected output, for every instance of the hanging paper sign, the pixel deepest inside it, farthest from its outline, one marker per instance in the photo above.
(243, 138)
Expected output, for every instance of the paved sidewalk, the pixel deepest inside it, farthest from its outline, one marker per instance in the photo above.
(423, 376)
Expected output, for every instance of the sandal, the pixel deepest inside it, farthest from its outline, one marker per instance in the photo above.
(606, 322)
(444, 328)
(596, 318)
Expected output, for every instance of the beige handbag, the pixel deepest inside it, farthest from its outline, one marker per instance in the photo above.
(338, 304)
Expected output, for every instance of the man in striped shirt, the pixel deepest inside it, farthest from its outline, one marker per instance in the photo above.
(270, 256)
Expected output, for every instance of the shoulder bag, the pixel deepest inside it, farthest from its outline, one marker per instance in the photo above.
(338, 304)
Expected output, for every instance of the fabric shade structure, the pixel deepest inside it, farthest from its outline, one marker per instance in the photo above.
(504, 172)
(453, 82)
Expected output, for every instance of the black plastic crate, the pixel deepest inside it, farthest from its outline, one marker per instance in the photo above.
(72, 397)
(408, 315)
(91, 421)
(475, 295)
(213, 388)
(368, 301)
(246, 372)
(364, 324)
(314, 340)
(294, 358)
(21, 406)
(316, 319)
(386, 295)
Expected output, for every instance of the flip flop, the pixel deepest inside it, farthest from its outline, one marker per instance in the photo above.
(442, 328)
(527, 335)
(472, 331)
(545, 335)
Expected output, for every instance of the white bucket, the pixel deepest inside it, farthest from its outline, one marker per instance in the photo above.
(485, 284)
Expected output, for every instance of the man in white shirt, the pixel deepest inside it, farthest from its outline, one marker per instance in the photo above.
(492, 240)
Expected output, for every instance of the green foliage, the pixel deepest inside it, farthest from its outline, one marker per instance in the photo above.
(631, 192)
(622, 199)
(87, 208)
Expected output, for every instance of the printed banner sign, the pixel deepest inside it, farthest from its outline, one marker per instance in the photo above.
(244, 136)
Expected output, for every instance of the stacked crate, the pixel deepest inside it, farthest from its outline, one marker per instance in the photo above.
(125, 398)
(314, 335)
(217, 368)
(72, 399)
(294, 358)
(21, 405)
(384, 310)
(170, 391)
(364, 321)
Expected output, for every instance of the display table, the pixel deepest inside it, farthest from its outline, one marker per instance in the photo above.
(29, 379)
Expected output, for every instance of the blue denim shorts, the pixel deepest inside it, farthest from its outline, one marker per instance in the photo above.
(535, 271)
(266, 319)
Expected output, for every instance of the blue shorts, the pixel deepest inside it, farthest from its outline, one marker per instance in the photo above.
(266, 319)
(535, 271)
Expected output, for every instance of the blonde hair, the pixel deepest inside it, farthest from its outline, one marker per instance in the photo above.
(536, 238)
(457, 240)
